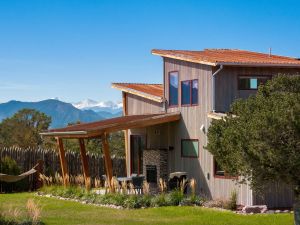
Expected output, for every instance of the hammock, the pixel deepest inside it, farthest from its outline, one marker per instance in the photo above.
(15, 178)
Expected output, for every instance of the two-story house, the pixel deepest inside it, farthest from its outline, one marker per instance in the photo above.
(166, 124)
(201, 85)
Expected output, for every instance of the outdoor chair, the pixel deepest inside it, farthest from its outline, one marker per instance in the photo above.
(137, 182)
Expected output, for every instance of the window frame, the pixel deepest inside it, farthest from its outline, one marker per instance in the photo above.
(191, 93)
(225, 176)
(181, 150)
(169, 87)
(249, 77)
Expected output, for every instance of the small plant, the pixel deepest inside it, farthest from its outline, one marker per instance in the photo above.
(193, 187)
(34, 211)
(159, 200)
(232, 203)
(162, 185)
(175, 197)
(146, 188)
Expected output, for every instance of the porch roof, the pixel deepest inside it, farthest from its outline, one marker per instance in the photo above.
(96, 129)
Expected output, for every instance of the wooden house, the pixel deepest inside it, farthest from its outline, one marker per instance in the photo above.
(166, 124)
(201, 85)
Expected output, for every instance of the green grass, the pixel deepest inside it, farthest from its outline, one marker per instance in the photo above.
(65, 212)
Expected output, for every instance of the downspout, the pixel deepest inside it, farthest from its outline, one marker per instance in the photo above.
(213, 88)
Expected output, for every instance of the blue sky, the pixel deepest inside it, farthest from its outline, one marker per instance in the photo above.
(73, 50)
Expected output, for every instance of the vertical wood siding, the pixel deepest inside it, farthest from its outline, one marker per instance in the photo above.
(193, 117)
(227, 83)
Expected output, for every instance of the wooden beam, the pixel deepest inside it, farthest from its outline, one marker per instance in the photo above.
(85, 165)
(125, 112)
(108, 162)
(63, 162)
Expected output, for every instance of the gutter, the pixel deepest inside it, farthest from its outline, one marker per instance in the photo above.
(213, 87)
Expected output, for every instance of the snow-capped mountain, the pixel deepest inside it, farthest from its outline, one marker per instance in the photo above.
(104, 106)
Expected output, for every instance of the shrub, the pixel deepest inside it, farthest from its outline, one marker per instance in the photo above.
(175, 197)
(132, 202)
(232, 203)
(9, 166)
(159, 200)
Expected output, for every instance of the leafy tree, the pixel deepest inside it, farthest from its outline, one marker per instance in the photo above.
(23, 128)
(262, 143)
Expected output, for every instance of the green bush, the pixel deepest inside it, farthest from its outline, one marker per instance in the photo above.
(175, 197)
(127, 201)
(9, 166)
(159, 200)
(232, 203)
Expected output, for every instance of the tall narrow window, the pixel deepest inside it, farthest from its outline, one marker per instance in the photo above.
(173, 88)
(189, 92)
(194, 92)
(186, 92)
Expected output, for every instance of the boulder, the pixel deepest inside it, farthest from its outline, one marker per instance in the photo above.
(255, 209)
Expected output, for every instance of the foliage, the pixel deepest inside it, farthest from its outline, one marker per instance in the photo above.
(262, 143)
(130, 201)
(232, 203)
(23, 128)
(9, 166)
(116, 144)
(15, 215)
(69, 213)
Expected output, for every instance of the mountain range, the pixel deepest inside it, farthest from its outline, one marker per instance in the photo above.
(63, 113)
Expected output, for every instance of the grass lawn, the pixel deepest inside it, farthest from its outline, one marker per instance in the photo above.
(64, 212)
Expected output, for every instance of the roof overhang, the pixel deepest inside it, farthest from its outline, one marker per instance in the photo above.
(288, 65)
(96, 129)
(138, 93)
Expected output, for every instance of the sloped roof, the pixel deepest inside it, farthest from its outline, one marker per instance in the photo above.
(96, 129)
(232, 57)
(150, 91)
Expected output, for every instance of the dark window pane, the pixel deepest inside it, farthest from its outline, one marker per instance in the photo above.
(218, 169)
(186, 92)
(190, 148)
(251, 83)
(195, 92)
(244, 83)
(173, 88)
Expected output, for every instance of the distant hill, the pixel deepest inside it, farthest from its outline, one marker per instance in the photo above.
(100, 107)
(61, 113)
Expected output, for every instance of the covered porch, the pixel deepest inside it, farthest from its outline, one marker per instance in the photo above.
(101, 130)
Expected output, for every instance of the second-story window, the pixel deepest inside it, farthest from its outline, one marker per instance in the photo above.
(189, 92)
(173, 88)
(251, 83)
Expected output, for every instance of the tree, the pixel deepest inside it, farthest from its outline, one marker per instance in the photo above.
(23, 128)
(262, 143)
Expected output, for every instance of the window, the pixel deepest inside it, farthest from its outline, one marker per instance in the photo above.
(190, 148)
(189, 92)
(173, 88)
(218, 171)
(251, 83)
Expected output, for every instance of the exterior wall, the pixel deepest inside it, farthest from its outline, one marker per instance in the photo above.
(138, 105)
(193, 117)
(227, 83)
(168, 136)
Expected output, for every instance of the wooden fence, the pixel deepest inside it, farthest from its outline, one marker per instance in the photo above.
(27, 158)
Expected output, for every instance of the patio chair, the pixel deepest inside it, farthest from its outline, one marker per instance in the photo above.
(138, 184)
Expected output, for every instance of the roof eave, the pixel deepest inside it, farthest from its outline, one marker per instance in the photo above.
(187, 60)
(138, 93)
(259, 64)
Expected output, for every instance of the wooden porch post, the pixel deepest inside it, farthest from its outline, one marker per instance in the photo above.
(85, 166)
(63, 162)
(108, 163)
(125, 112)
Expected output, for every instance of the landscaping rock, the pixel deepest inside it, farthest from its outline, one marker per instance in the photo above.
(255, 209)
